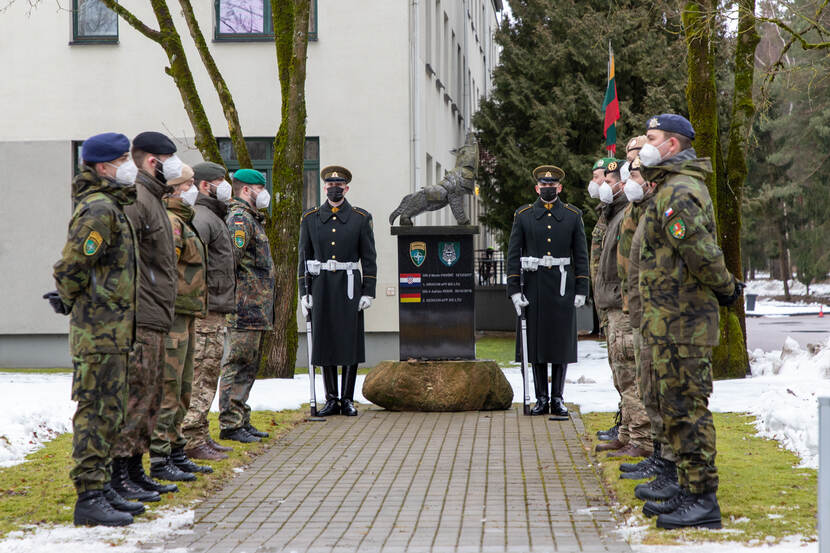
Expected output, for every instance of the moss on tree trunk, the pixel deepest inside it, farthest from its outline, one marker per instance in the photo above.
(291, 39)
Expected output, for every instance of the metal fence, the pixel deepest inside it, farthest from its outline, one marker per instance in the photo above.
(489, 268)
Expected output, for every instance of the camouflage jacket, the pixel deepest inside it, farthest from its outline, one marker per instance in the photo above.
(191, 260)
(624, 252)
(606, 281)
(96, 275)
(596, 239)
(681, 264)
(255, 273)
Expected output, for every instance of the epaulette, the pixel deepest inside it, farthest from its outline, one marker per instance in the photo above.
(523, 209)
(308, 212)
(361, 211)
(572, 208)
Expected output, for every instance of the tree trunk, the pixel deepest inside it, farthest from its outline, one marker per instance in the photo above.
(222, 90)
(730, 193)
(291, 37)
(783, 262)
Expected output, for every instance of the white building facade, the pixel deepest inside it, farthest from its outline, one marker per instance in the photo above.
(390, 90)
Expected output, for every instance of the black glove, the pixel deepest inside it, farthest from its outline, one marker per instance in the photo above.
(727, 300)
(56, 302)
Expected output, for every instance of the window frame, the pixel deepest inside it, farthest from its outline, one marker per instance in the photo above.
(268, 33)
(78, 39)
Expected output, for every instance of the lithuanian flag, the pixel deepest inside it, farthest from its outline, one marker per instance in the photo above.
(611, 107)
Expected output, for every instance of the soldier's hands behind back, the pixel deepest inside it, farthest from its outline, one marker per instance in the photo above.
(365, 303)
(56, 302)
(726, 301)
(579, 300)
(305, 304)
(519, 301)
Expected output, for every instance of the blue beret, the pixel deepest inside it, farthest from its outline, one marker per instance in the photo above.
(249, 176)
(670, 122)
(154, 143)
(104, 147)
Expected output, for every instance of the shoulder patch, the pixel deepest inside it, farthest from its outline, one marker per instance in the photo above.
(239, 238)
(668, 213)
(92, 243)
(678, 229)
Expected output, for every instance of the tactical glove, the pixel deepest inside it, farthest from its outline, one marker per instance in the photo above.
(56, 302)
(727, 300)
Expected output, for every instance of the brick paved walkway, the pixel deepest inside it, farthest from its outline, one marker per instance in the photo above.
(413, 482)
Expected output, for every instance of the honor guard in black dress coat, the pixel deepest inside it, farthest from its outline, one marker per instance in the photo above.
(547, 244)
(336, 241)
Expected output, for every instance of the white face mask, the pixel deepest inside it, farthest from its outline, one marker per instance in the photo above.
(126, 173)
(633, 190)
(189, 196)
(650, 155)
(593, 189)
(606, 194)
(172, 168)
(223, 191)
(624, 172)
(263, 199)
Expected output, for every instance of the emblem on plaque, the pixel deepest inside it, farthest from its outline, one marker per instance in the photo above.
(449, 252)
(417, 253)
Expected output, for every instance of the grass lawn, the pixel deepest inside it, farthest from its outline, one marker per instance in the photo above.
(762, 496)
(39, 491)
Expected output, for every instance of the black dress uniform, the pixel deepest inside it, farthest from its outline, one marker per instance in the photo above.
(549, 231)
(337, 238)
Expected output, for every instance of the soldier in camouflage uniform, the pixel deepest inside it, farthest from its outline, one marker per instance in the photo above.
(683, 278)
(96, 278)
(255, 295)
(167, 458)
(209, 221)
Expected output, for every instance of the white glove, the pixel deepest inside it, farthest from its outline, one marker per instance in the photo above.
(305, 303)
(365, 303)
(519, 301)
(579, 300)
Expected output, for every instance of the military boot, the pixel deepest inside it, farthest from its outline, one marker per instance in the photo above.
(349, 378)
(218, 447)
(135, 470)
(120, 504)
(654, 508)
(613, 432)
(558, 410)
(180, 460)
(647, 468)
(636, 467)
(92, 509)
(253, 431)
(332, 406)
(540, 384)
(661, 488)
(700, 510)
(125, 487)
(237, 435)
(164, 469)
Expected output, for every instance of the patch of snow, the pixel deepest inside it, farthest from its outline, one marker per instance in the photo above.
(142, 535)
(790, 544)
(773, 308)
(766, 287)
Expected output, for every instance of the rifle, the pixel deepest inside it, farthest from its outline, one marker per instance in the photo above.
(525, 368)
(311, 372)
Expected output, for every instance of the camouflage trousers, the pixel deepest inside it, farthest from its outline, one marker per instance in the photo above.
(635, 426)
(648, 393)
(207, 363)
(684, 382)
(244, 350)
(177, 383)
(99, 385)
(144, 369)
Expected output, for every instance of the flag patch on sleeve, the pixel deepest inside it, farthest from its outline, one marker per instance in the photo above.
(669, 212)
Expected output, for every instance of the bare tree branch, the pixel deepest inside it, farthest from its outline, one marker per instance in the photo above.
(134, 21)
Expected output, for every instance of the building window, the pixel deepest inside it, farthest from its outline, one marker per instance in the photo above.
(93, 23)
(261, 151)
(250, 20)
(77, 161)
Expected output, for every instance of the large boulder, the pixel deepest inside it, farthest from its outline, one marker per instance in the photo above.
(438, 386)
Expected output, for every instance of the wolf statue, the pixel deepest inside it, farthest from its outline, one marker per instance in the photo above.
(451, 190)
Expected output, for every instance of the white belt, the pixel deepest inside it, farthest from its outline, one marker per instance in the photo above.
(314, 267)
(533, 263)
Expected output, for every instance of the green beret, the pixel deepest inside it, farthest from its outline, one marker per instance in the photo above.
(602, 163)
(249, 176)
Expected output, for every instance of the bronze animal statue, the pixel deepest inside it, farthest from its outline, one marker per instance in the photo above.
(451, 190)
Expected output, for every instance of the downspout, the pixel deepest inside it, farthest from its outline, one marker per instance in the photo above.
(416, 92)
(467, 109)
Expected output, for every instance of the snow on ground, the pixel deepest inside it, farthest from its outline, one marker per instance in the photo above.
(773, 308)
(766, 287)
(790, 544)
(143, 535)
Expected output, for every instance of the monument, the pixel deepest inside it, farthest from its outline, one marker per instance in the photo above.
(437, 368)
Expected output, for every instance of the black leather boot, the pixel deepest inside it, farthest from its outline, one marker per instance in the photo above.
(238, 435)
(540, 384)
(558, 410)
(348, 382)
(135, 469)
(93, 509)
(123, 485)
(120, 504)
(612, 433)
(636, 467)
(253, 431)
(164, 469)
(654, 508)
(178, 458)
(661, 488)
(332, 406)
(700, 510)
